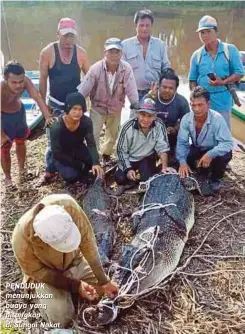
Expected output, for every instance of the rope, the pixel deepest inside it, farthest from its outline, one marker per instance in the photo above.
(134, 278)
(115, 305)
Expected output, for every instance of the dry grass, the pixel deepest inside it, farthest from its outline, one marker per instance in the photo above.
(206, 294)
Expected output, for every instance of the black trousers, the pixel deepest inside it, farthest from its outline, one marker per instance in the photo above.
(147, 168)
(217, 166)
(79, 171)
(172, 139)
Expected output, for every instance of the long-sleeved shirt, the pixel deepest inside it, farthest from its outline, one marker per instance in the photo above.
(40, 262)
(103, 99)
(203, 63)
(65, 144)
(215, 136)
(148, 69)
(134, 145)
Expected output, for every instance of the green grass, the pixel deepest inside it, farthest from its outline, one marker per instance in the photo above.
(10, 330)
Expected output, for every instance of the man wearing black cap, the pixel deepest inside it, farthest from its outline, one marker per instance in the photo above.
(72, 158)
(141, 142)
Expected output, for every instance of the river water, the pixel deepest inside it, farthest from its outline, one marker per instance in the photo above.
(31, 27)
(27, 28)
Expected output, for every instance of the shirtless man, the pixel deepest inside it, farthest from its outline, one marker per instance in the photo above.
(61, 62)
(13, 116)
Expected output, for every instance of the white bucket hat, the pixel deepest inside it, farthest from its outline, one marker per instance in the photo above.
(54, 226)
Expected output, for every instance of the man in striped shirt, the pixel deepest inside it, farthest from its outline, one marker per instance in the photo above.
(141, 142)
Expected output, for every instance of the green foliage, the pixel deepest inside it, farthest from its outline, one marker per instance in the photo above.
(11, 330)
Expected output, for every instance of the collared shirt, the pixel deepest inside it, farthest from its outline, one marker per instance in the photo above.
(148, 69)
(134, 145)
(40, 262)
(215, 136)
(220, 97)
(96, 85)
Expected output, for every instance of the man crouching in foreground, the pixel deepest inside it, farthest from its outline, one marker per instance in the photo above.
(54, 244)
(141, 142)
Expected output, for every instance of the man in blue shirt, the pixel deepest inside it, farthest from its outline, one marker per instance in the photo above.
(146, 54)
(211, 142)
(220, 59)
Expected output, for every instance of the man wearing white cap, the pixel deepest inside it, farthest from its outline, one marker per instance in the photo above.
(61, 62)
(107, 83)
(54, 244)
(215, 65)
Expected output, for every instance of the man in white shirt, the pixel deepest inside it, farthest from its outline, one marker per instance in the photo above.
(146, 54)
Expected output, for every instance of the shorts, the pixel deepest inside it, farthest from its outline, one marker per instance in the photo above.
(15, 127)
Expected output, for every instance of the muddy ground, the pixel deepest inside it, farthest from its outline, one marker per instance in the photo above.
(206, 295)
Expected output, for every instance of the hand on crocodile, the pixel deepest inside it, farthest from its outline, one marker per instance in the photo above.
(168, 170)
(184, 170)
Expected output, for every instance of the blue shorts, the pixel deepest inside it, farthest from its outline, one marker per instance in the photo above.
(14, 125)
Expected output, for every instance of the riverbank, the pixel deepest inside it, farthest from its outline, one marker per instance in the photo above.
(207, 292)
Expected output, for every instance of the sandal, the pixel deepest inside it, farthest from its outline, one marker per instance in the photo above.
(44, 180)
(25, 176)
(10, 186)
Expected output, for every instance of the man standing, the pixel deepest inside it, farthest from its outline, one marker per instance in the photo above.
(170, 105)
(146, 54)
(141, 142)
(61, 62)
(211, 147)
(55, 247)
(215, 65)
(13, 117)
(72, 158)
(108, 82)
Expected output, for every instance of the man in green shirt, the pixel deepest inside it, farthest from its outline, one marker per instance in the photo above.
(72, 157)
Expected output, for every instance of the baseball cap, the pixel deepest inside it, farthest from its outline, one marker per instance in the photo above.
(207, 22)
(147, 105)
(75, 99)
(54, 226)
(66, 26)
(113, 43)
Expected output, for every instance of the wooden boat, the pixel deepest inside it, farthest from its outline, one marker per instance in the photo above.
(238, 118)
(34, 116)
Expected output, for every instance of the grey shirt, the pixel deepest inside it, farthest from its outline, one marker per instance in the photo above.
(134, 145)
(148, 69)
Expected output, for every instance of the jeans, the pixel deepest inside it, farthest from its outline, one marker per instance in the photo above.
(147, 168)
(75, 173)
(57, 111)
(217, 166)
